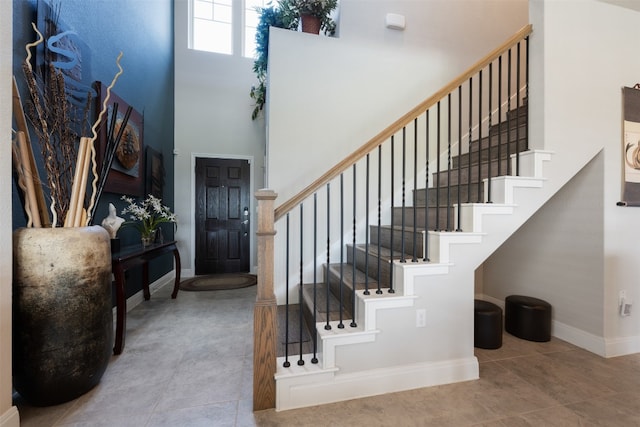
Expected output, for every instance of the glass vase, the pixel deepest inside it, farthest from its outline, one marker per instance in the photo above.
(148, 238)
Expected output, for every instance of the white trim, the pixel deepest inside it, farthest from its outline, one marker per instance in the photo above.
(586, 340)
(11, 418)
(621, 346)
(137, 298)
(252, 208)
(578, 337)
(330, 387)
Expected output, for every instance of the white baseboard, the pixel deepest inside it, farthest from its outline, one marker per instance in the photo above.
(622, 346)
(11, 418)
(605, 347)
(329, 387)
(138, 297)
(580, 338)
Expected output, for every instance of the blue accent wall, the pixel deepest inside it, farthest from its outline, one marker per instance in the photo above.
(143, 31)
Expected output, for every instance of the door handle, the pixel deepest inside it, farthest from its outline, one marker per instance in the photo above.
(245, 223)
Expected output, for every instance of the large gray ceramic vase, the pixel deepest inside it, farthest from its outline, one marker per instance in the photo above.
(62, 321)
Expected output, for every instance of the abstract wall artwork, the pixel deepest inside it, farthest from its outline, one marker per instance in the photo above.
(631, 146)
(127, 172)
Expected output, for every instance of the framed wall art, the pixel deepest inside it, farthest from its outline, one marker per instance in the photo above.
(631, 146)
(154, 182)
(127, 172)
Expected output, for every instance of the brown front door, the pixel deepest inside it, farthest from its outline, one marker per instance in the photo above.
(222, 216)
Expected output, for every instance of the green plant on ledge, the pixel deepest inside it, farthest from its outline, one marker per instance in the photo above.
(269, 17)
(321, 9)
(285, 15)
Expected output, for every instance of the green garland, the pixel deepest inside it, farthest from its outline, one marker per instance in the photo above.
(285, 15)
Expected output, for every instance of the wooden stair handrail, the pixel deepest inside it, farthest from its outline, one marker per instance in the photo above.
(396, 126)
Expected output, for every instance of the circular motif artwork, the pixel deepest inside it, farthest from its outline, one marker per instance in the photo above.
(128, 152)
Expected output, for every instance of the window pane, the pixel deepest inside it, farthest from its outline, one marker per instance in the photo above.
(202, 9)
(212, 36)
(251, 19)
(250, 42)
(222, 13)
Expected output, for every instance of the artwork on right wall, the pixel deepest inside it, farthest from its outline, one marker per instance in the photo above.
(631, 146)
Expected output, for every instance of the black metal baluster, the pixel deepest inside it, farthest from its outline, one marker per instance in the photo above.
(438, 167)
(518, 71)
(459, 184)
(489, 163)
(300, 293)
(415, 187)
(478, 199)
(286, 363)
(449, 162)
(426, 189)
(315, 278)
(404, 205)
(353, 255)
(470, 139)
(327, 326)
(500, 124)
(392, 157)
(379, 271)
(526, 91)
(341, 284)
(509, 67)
(366, 232)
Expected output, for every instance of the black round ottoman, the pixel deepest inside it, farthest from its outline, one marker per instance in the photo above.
(527, 318)
(487, 328)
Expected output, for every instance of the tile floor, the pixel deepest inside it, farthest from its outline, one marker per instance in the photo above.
(187, 362)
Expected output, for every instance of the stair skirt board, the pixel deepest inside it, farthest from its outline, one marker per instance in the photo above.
(322, 387)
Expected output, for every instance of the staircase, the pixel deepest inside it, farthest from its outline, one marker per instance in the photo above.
(379, 269)
(369, 265)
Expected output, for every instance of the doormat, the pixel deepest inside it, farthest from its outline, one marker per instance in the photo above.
(218, 282)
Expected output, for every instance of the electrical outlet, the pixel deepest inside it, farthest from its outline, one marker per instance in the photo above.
(625, 307)
(421, 318)
(624, 304)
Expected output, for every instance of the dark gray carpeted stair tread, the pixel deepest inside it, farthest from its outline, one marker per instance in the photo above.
(420, 217)
(293, 333)
(321, 304)
(409, 237)
(468, 174)
(473, 193)
(486, 154)
(348, 280)
(383, 252)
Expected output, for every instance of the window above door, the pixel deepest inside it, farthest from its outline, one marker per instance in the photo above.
(224, 26)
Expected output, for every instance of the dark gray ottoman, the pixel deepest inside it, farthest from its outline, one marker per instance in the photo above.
(527, 318)
(487, 328)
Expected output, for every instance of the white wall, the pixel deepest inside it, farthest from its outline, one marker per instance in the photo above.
(213, 119)
(588, 54)
(8, 413)
(328, 96)
(542, 261)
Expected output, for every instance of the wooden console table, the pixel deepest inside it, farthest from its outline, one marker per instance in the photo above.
(129, 257)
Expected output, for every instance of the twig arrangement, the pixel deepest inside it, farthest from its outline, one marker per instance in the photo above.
(110, 149)
(55, 125)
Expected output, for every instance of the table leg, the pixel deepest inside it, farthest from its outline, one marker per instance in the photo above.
(121, 310)
(145, 281)
(176, 284)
